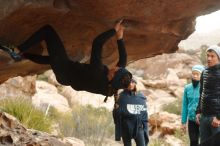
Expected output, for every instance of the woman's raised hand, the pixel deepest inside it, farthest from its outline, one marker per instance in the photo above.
(118, 25)
(119, 28)
(120, 32)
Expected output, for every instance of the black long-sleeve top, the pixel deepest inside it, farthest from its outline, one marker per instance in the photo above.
(93, 77)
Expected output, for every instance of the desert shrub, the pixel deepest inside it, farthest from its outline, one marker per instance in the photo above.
(202, 57)
(26, 113)
(190, 52)
(90, 124)
(158, 142)
(182, 136)
(42, 77)
(174, 107)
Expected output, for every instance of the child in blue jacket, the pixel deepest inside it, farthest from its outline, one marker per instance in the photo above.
(130, 117)
(189, 105)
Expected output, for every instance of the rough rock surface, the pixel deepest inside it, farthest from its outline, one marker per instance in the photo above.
(24, 87)
(164, 66)
(157, 99)
(14, 133)
(164, 122)
(153, 26)
(172, 140)
(48, 96)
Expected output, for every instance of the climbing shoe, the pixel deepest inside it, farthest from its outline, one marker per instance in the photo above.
(10, 50)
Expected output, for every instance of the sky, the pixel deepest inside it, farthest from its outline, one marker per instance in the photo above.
(207, 32)
(207, 23)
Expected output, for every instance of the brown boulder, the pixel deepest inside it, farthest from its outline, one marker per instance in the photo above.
(154, 26)
(24, 87)
(164, 122)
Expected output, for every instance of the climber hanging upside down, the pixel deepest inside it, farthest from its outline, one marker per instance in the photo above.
(94, 77)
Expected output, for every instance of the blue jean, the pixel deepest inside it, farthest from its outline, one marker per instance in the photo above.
(206, 128)
(140, 140)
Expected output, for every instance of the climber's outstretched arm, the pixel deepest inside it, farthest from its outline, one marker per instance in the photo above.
(121, 47)
(97, 46)
(100, 40)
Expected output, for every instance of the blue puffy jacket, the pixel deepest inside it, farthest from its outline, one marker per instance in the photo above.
(130, 115)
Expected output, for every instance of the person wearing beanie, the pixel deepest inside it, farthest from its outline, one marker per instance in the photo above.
(213, 55)
(208, 109)
(189, 104)
(94, 77)
(131, 117)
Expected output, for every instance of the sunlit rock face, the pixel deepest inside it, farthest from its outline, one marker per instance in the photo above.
(153, 27)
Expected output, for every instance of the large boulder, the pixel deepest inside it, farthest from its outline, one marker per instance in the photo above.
(14, 133)
(166, 66)
(47, 95)
(24, 87)
(157, 99)
(172, 140)
(86, 98)
(164, 122)
(153, 27)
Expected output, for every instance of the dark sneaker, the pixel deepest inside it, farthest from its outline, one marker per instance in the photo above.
(11, 52)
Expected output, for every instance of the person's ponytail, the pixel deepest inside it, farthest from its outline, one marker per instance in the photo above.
(116, 97)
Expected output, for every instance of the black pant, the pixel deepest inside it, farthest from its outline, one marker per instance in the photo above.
(193, 128)
(139, 140)
(212, 140)
(57, 58)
